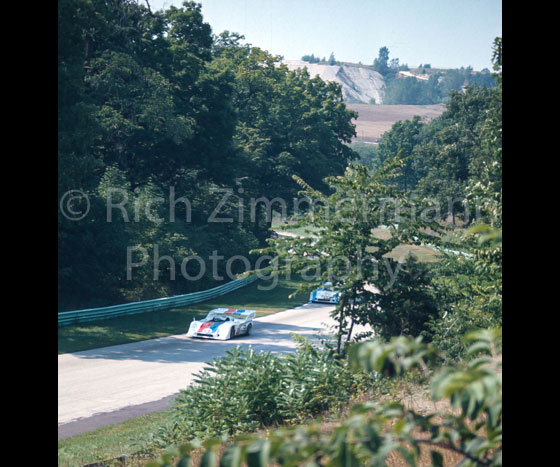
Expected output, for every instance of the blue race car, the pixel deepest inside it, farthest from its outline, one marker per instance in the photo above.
(324, 294)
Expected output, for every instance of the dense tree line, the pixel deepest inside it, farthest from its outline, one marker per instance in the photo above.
(448, 156)
(436, 89)
(153, 106)
(313, 59)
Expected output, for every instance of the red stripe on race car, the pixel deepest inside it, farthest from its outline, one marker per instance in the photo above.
(231, 310)
(205, 325)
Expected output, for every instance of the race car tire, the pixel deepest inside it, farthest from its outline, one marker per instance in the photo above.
(232, 333)
(249, 329)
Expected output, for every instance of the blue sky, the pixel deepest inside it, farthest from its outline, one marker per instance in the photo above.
(443, 33)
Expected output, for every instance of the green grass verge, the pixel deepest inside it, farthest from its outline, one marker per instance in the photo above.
(152, 325)
(108, 442)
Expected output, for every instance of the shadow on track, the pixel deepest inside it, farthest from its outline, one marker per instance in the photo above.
(265, 336)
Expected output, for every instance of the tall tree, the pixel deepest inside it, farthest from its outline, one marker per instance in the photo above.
(403, 135)
(408, 307)
(287, 122)
(344, 251)
(381, 63)
(453, 149)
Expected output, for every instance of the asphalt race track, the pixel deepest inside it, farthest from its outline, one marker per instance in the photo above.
(109, 385)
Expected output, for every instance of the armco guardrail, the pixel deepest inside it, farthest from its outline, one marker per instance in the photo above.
(94, 314)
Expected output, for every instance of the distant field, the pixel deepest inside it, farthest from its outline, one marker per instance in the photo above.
(374, 120)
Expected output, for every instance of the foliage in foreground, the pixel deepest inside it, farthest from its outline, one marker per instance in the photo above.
(246, 390)
(374, 429)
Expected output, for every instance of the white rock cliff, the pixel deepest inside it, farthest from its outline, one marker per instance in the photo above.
(358, 84)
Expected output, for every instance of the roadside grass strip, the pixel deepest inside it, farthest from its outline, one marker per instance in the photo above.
(109, 442)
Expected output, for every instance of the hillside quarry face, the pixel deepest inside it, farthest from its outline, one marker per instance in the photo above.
(358, 84)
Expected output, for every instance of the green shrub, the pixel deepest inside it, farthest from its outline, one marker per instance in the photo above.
(246, 390)
(313, 381)
(235, 393)
(375, 429)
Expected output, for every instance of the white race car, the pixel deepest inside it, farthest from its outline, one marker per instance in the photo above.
(223, 324)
